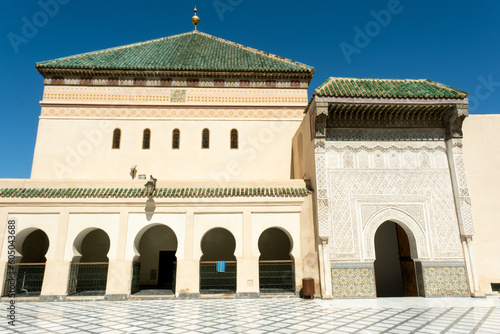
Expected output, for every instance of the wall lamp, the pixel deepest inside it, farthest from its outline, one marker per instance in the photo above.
(150, 186)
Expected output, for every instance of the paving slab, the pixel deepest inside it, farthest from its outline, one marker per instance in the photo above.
(264, 315)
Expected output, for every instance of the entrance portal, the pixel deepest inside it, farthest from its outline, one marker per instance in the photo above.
(394, 267)
(155, 271)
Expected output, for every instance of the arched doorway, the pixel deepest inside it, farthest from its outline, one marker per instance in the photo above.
(276, 265)
(29, 269)
(89, 269)
(218, 263)
(155, 270)
(394, 266)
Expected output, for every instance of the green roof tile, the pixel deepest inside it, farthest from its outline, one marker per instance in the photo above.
(138, 192)
(387, 88)
(192, 51)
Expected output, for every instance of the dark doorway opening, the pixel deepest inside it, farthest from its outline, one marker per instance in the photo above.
(394, 267)
(154, 272)
(166, 270)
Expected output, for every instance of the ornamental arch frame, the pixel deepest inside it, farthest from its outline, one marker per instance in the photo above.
(419, 245)
(143, 230)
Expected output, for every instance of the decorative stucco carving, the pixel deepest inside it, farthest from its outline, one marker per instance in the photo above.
(460, 186)
(324, 224)
(419, 246)
(396, 173)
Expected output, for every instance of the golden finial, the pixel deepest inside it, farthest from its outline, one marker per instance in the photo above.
(195, 19)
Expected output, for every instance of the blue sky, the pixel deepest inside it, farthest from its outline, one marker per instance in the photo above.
(456, 43)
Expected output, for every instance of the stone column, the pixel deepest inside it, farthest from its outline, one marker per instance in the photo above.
(321, 195)
(56, 276)
(326, 276)
(459, 184)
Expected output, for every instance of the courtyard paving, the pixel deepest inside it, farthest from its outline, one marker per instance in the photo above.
(264, 315)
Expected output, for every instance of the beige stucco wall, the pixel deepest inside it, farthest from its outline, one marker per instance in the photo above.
(482, 164)
(76, 126)
(66, 221)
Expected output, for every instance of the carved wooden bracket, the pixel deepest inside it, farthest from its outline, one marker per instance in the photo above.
(321, 117)
(455, 119)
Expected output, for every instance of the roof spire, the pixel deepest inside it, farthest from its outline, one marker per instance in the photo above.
(195, 19)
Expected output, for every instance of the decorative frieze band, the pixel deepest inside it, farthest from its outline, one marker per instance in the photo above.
(255, 113)
(345, 134)
(164, 96)
(386, 148)
(176, 82)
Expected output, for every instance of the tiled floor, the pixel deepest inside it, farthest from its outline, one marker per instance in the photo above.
(254, 316)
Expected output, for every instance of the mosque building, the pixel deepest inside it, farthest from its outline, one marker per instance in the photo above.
(190, 165)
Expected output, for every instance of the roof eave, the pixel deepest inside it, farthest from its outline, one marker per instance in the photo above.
(307, 74)
(402, 101)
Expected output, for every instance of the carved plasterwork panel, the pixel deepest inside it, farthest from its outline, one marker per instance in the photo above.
(463, 201)
(397, 174)
(322, 193)
(177, 95)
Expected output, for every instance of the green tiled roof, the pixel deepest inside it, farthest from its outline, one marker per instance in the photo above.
(387, 88)
(193, 51)
(159, 192)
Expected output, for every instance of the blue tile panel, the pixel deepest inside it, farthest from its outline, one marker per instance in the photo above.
(353, 282)
(445, 281)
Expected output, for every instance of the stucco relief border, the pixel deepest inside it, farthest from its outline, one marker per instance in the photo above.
(420, 244)
(158, 112)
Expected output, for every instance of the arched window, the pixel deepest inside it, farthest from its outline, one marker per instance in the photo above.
(117, 134)
(234, 139)
(205, 139)
(146, 139)
(176, 138)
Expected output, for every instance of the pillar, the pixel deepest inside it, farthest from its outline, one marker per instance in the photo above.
(57, 270)
(118, 284)
(188, 269)
(247, 268)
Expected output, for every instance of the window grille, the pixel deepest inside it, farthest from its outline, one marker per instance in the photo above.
(234, 139)
(176, 138)
(146, 139)
(117, 134)
(205, 139)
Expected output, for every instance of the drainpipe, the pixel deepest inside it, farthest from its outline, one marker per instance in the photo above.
(468, 240)
(324, 240)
